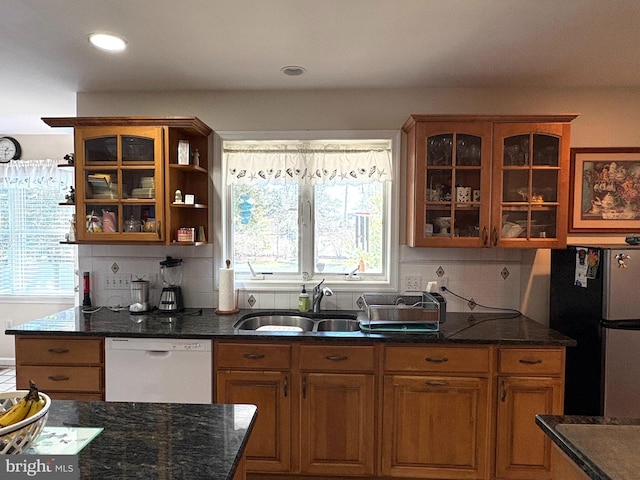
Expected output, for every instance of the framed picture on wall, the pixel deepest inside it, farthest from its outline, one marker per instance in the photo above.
(183, 152)
(605, 190)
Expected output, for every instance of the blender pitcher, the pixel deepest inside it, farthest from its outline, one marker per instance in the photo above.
(171, 299)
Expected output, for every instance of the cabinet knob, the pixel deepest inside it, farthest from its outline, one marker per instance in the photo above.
(58, 378)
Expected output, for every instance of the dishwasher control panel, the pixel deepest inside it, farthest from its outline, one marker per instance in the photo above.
(159, 344)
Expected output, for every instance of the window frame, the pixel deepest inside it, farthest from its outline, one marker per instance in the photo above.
(223, 248)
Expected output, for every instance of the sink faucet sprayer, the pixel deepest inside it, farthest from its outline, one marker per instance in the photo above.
(318, 294)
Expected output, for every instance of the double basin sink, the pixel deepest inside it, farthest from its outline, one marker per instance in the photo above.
(293, 322)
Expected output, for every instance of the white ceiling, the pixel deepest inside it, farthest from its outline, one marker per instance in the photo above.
(242, 44)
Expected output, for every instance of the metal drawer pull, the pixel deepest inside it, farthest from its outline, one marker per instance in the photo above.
(58, 350)
(530, 362)
(58, 378)
(437, 360)
(337, 358)
(435, 383)
(253, 356)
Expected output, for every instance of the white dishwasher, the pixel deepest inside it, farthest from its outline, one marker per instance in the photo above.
(164, 370)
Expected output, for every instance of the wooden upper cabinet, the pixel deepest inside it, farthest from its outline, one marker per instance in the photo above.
(127, 171)
(487, 181)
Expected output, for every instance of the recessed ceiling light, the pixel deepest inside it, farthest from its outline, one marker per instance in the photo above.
(108, 42)
(293, 70)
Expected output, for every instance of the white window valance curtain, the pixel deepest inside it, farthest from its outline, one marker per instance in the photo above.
(307, 163)
(35, 174)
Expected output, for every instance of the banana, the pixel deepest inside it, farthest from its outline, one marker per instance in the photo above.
(16, 413)
(29, 405)
(36, 406)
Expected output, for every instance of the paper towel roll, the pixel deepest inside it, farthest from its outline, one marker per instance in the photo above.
(227, 292)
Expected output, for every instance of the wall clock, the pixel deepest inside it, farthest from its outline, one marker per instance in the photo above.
(9, 149)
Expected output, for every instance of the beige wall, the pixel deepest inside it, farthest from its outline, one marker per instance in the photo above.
(607, 117)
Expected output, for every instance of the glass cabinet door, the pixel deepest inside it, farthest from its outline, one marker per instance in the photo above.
(530, 176)
(454, 183)
(120, 193)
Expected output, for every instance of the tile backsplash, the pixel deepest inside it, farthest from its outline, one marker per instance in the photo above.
(488, 277)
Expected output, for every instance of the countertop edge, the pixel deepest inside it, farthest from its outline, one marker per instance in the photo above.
(548, 425)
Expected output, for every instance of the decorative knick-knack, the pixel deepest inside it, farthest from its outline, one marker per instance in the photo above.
(178, 197)
(72, 228)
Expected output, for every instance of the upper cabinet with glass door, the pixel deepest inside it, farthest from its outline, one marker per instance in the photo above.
(128, 170)
(478, 181)
(120, 185)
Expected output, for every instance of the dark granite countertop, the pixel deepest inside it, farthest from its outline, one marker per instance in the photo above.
(158, 440)
(604, 448)
(495, 328)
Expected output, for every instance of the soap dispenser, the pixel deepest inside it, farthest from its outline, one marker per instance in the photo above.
(303, 300)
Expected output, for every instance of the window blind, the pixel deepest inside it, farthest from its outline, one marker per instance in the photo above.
(32, 224)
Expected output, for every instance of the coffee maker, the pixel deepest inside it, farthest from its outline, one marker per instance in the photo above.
(171, 296)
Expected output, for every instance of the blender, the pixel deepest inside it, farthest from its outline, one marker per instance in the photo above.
(171, 296)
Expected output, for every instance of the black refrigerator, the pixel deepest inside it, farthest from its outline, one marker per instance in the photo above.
(595, 299)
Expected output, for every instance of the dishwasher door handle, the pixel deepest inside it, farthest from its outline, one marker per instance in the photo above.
(157, 353)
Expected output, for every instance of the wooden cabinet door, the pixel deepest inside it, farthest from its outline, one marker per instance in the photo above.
(523, 451)
(435, 427)
(337, 423)
(530, 185)
(119, 177)
(269, 447)
(448, 177)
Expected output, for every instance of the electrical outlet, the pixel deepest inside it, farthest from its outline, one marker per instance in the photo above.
(8, 323)
(412, 283)
(443, 282)
(117, 282)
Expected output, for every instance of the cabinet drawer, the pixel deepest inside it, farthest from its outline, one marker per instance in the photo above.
(252, 355)
(337, 358)
(437, 359)
(59, 351)
(531, 361)
(60, 379)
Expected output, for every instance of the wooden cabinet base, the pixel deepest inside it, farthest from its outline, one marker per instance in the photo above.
(66, 368)
(564, 468)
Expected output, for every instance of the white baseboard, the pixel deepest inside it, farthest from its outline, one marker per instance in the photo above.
(7, 362)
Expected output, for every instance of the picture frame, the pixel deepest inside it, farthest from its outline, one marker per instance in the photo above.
(605, 190)
(183, 152)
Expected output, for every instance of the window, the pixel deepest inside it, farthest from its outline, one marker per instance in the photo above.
(32, 224)
(303, 208)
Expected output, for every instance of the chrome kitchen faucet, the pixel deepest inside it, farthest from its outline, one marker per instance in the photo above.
(318, 294)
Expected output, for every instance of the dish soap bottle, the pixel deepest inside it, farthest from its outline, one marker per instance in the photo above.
(303, 300)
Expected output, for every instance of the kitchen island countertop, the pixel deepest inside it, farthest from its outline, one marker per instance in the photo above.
(604, 448)
(158, 440)
(496, 328)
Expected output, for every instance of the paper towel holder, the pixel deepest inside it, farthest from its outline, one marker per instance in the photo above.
(235, 293)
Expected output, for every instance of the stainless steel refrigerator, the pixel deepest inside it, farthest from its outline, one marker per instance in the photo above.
(595, 299)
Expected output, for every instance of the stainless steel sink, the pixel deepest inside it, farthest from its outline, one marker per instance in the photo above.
(337, 325)
(277, 323)
(296, 323)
